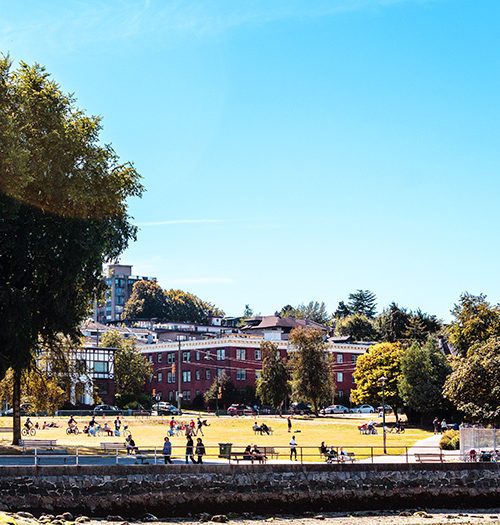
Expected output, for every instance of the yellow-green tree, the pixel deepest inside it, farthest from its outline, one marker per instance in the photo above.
(382, 359)
(273, 387)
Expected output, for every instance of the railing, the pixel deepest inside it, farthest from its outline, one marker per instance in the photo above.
(92, 456)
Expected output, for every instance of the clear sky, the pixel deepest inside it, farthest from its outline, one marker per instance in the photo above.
(293, 150)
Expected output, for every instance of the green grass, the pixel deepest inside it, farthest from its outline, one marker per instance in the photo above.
(339, 431)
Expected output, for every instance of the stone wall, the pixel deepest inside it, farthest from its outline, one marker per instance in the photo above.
(182, 489)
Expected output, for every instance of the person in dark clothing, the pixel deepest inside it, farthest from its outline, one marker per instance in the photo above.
(167, 450)
(200, 450)
(189, 449)
(289, 423)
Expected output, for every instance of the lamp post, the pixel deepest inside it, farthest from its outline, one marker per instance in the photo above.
(179, 375)
(382, 380)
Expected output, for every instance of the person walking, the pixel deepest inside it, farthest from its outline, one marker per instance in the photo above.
(293, 449)
(199, 425)
(289, 423)
(200, 450)
(118, 425)
(189, 449)
(436, 425)
(167, 450)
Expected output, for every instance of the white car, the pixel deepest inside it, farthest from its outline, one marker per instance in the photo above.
(336, 409)
(363, 409)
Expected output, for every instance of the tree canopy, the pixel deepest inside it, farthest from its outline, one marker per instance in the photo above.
(313, 310)
(63, 214)
(363, 302)
(382, 359)
(358, 326)
(311, 368)
(475, 321)
(273, 385)
(474, 385)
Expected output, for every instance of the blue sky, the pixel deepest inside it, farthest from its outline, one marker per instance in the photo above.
(293, 150)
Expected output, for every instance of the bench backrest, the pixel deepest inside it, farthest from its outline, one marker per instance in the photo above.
(113, 445)
(38, 442)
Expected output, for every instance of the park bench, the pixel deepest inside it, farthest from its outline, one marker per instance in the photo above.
(261, 432)
(38, 444)
(112, 446)
(4, 430)
(429, 457)
(241, 455)
(270, 452)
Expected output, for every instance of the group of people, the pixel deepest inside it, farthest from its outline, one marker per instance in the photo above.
(261, 429)
(442, 426)
(93, 427)
(192, 450)
(189, 429)
(252, 453)
(332, 454)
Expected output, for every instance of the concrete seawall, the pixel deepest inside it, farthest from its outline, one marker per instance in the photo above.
(177, 490)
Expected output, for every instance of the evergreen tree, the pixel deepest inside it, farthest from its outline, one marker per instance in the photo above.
(363, 302)
(342, 311)
(358, 326)
(273, 387)
(392, 323)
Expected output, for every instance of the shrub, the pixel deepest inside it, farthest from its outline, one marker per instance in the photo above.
(450, 440)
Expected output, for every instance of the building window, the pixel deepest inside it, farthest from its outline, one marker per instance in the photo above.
(258, 355)
(186, 376)
(150, 358)
(170, 396)
(241, 354)
(197, 393)
(221, 354)
(258, 373)
(171, 357)
(198, 355)
(186, 357)
(340, 393)
(340, 377)
(340, 358)
(354, 358)
(241, 374)
(101, 367)
(160, 377)
(208, 374)
(160, 357)
(170, 377)
(198, 375)
(186, 394)
(220, 372)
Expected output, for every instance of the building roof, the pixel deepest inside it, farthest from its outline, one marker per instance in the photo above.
(275, 321)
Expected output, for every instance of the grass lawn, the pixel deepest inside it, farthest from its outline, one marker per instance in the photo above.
(341, 431)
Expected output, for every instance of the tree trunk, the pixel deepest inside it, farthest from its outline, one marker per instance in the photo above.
(16, 405)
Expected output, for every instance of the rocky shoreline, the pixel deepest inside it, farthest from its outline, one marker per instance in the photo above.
(407, 517)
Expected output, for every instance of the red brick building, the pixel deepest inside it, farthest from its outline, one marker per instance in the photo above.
(236, 355)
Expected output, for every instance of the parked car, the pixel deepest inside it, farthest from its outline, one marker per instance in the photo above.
(237, 409)
(265, 410)
(163, 408)
(300, 408)
(106, 410)
(335, 409)
(388, 409)
(363, 409)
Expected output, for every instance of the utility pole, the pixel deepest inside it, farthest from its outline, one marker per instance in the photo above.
(179, 377)
(382, 380)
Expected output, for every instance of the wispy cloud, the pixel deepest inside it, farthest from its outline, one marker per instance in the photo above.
(201, 280)
(182, 221)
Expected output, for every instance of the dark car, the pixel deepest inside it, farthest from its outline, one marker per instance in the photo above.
(300, 408)
(237, 409)
(163, 408)
(106, 410)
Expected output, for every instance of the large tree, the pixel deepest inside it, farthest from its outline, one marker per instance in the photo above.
(475, 321)
(358, 326)
(311, 367)
(313, 310)
(474, 385)
(63, 214)
(273, 385)
(424, 370)
(147, 301)
(382, 359)
(132, 369)
(363, 302)
(392, 323)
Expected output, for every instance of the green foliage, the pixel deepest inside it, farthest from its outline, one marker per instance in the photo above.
(149, 301)
(311, 368)
(247, 312)
(273, 387)
(342, 311)
(132, 369)
(363, 302)
(314, 311)
(63, 214)
(474, 384)
(358, 326)
(146, 301)
(424, 370)
(392, 323)
(382, 359)
(475, 321)
(450, 440)
(225, 384)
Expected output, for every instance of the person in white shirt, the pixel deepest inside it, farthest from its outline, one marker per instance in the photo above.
(293, 449)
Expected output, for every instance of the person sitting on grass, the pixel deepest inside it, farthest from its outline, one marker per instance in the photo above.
(107, 429)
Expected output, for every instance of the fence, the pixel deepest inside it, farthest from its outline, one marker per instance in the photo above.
(234, 455)
(478, 439)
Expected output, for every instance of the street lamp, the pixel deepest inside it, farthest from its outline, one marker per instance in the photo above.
(382, 380)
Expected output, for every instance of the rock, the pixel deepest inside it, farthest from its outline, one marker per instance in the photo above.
(57, 521)
(270, 519)
(23, 514)
(204, 516)
(114, 518)
(422, 514)
(493, 517)
(68, 516)
(220, 518)
(149, 517)
(7, 520)
(450, 517)
(319, 517)
(82, 519)
(405, 514)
